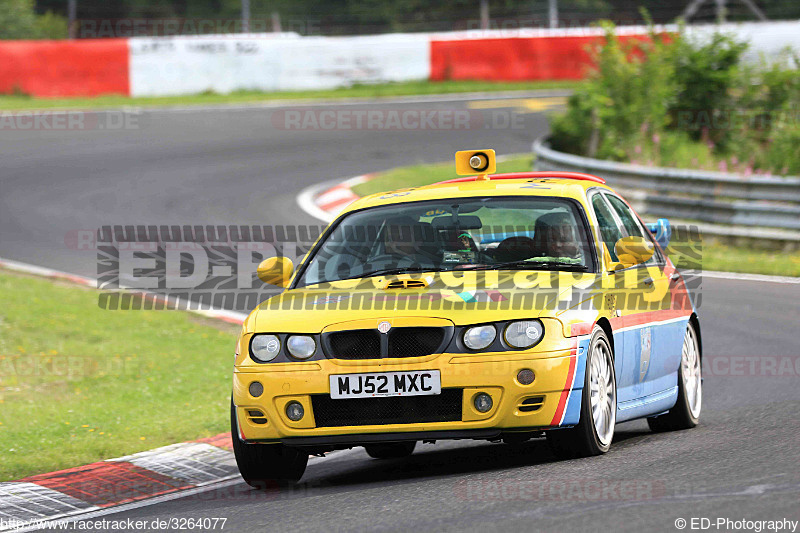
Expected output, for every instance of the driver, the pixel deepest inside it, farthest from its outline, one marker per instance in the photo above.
(408, 242)
(555, 236)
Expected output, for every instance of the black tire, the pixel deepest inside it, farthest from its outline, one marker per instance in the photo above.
(391, 450)
(266, 466)
(681, 415)
(582, 440)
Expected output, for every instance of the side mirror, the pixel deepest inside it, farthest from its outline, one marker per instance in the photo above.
(276, 271)
(662, 232)
(631, 251)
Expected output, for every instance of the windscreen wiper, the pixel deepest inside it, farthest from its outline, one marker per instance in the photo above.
(383, 272)
(537, 265)
(397, 270)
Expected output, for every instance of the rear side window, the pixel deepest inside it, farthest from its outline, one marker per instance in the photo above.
(609, 231)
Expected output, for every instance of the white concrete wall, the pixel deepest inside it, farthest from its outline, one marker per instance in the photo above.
(282, 62)
(173, 66)
(766, 39)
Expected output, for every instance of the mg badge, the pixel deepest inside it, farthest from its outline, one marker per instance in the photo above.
(384, 327)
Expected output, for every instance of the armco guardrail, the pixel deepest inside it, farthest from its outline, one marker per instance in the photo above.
(765, 201)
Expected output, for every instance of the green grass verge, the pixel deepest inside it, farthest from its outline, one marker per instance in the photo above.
(80, 384)
(715, 256)
(411, 88)
(724, 258)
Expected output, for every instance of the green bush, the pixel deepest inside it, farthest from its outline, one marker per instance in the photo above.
(673, 100)
(705, 76)
(51, 26)
(630, 93)
(18, 20)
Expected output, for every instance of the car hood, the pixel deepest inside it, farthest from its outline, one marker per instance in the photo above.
(462, 299)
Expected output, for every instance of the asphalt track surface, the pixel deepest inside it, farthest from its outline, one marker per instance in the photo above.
(235, 167)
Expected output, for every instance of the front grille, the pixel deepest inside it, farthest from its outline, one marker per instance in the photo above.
(355, 344)
(399, 342)
(444, 407)
(414, 342)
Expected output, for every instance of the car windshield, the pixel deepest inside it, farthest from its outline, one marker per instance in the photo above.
(536, 233)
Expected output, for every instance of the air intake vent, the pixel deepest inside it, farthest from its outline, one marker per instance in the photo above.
(406, 284)
(256, 417)
(529, 405)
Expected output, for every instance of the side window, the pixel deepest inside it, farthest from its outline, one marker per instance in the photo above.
(628, 219)
(632, 226)
(609, 230)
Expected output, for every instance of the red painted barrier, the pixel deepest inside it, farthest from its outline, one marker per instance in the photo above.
(514, 59)
(87, 67)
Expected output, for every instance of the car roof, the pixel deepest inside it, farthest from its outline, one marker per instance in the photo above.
(513, 184)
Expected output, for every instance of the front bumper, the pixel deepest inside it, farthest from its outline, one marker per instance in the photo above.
(492, 373)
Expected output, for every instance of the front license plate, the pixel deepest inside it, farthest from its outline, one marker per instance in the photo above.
(374, 385)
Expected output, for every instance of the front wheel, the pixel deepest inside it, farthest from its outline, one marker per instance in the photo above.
(595, 430)
(390, 450)
(686, 413)
(266, 465)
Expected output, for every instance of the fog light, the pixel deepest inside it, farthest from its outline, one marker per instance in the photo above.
(256, 389)
(482, 402)
(525, 376)
(295, 411)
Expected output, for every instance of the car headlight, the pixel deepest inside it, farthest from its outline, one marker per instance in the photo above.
(265, 348)
(301, 346)
(524, 334)
(479, 337)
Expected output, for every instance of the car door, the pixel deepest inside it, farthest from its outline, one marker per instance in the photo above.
(653, 334)
(610, 231)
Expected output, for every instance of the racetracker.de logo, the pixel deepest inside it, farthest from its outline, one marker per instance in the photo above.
(589, 490)
(70, 120)
(394, 119)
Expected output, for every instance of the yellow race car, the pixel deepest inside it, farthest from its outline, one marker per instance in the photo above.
(496, 307)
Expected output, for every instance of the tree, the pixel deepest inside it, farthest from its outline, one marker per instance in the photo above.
(18, 20)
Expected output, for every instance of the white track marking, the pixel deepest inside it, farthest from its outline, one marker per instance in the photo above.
(306, 201)
(747, 277)
(312, 198)
(89, 515)
(22, 501)
(228, 481)
(222, 314)
(192, 462)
